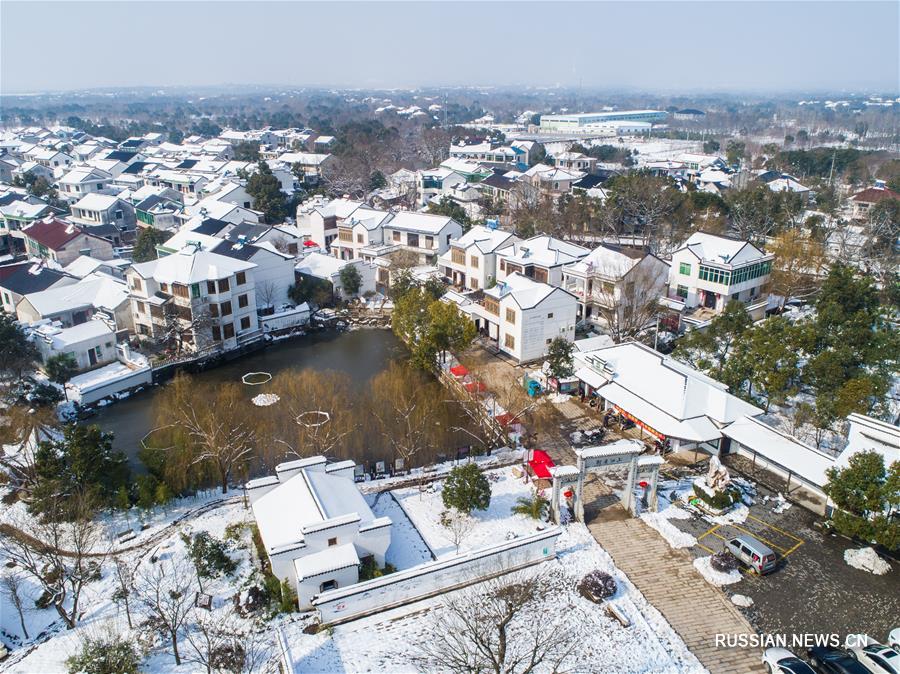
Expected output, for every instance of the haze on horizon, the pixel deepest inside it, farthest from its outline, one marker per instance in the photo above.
(669, 46)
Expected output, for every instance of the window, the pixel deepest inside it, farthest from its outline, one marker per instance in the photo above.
(429, 242)
(510, 316)
(548, 341)
(550, 315)
(180, 291)
(214, 310)
(359, 238)
(136, 284)
(228, 330)
(223, 286)
(242, 301)
(241, 279)
(345, 235)
(332, 542)
(225, 308)
(492, 305)
(474, 283)
(142, 307)
(211, 287)
(682, 292)
(328, 585)
(735, 296)
(164, 287)
(292, 249)
(395, 236)
(684, 268)
(474, 262)
(118, 215)
(457, 256)
(245, 323)
(509, 342)
(412, 240)
(216, 333)
(714, 275)
(195, 290)
(502, 265)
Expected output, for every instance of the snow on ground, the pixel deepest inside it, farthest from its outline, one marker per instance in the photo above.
(741, 600)
(407, 547)
(488, 527)
(866, 559)
(675, 537)
(265, 399)
(386, 642)
(50, 644)
(703, 565)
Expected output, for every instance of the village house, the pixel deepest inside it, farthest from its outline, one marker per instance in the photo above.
(864, 201)
(432, 183)
(711, 270)
(97, 296)
(423, 234)
(322, 217)
(541, 257)
(81, 181)
(611, 282)
(62, 242)
(103, 209)
(328, 268)
(575, 161)
(91, 343)
(522, 316)
(22, 278)
(361, 229)
(316, 527)
(209, 298)
(471, 262)
(668, 400)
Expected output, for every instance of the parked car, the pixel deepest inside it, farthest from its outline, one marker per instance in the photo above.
(894, 639)
(827, 660)
(782, 661)
(760, 558)
(876, 658)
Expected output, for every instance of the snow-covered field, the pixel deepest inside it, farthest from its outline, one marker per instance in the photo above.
(387, 642)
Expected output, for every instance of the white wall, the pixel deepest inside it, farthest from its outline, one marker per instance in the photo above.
(533, 327)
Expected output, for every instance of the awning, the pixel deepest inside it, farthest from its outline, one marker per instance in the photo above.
(459, 370)
(589, 377)
(540, 464)
(698, 429)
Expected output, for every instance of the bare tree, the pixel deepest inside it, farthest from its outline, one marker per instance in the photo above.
(183, 326)
(500, 626)
(628, 302)
(210, 423)
(60, 556)
(433, 145)
(125, 587)
(457, 526)
(161, 589)
(799, 265)
(22, 430)
(220, 644)
(266, 293)
(11, 586)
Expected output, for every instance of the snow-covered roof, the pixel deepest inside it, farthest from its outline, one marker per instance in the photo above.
(101, 292)
(187, 266)
(542, 250)
(96, 202)
(721, 250)
(868, 434)
(485, 239)
(61, 338)
(427, 223)
(327, 560)
(607, 262)
(524, 291)
(788, 452)
(320, 265)
(668, 395)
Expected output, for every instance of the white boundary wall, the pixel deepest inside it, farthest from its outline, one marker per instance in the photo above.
(432, 578)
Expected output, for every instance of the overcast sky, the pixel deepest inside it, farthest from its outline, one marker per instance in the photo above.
(649, 46)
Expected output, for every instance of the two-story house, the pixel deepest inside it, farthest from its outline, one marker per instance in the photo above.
(63, 242)
(471, 262)
(21, 278)
(209, 299)
(361, 229)
(613, 282)
(424, 234)
(435, 182)
(103, 209)
(711, 270)
(524, 316)
(541, 257)
(81, 181)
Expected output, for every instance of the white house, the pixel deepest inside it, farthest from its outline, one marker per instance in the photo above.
(315, 525)
(425, 234)
(98, 296)
(322, 218)
(103, 209)
(435, 182)
(83, 180)
(540, 257)
(471, 262)
(328, 268)
(613, 281)
(91, 343)
(361, 229)
(710, 270)
(523, 316)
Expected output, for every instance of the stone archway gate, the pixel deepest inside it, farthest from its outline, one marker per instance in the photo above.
(620, 453)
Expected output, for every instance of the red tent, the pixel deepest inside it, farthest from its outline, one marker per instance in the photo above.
(459, 371)
(475, 387)
(309, 243)
(504, 419)
(541, 463)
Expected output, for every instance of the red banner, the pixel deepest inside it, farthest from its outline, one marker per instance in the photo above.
(638, 422)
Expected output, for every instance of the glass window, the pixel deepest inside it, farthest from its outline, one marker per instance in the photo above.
(509, 342)
(245, 323)
(228, 330)
(225, 308)
(211, 287)
(241, 279)
(195, 290)
(510, 315)
(682, 292)
(242, 301)
(684, 268)
(224, 286)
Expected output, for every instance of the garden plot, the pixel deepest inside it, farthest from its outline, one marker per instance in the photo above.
(487, 527)
(388, 642)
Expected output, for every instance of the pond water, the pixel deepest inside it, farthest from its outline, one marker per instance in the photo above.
(362, 354)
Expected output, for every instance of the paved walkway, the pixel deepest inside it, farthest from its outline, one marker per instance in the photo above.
(667, 578)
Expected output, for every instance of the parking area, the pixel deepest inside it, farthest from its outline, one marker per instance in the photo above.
(813, 591)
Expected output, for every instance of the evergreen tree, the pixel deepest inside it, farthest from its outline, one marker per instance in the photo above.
(60, 369)
(351, 279)
(147, 240)
(864, 493)
(265, 189)
(466, 489)
(559, 355)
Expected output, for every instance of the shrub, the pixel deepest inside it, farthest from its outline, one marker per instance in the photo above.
(597, 586)
(234, 531)
(209, 556)
(110, 654)
(535, 506)
(724, 562)
(721, 500)
(466, 489)
(288, 597)
(369, 569)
